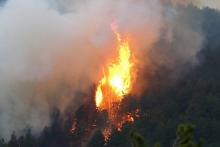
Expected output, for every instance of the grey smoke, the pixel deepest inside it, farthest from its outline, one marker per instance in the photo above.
(215, 4)
(50, 49)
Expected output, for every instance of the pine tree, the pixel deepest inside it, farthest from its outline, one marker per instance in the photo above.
(137, 140)
(185, 136)
(97, 140)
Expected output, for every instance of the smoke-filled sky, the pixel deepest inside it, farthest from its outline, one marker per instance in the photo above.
(50, 49)
(215, 4)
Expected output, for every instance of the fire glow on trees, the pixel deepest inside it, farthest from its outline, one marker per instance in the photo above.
(116, 83)
(117, 79)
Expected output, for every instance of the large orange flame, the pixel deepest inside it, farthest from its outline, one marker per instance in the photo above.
(117, 78)
(116, 82)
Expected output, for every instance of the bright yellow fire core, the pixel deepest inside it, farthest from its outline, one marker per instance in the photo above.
(117, 79)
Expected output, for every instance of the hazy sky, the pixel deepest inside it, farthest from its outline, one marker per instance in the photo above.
(201, 3)
(210, 3)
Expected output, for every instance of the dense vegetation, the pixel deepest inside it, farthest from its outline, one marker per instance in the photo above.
(195, 99)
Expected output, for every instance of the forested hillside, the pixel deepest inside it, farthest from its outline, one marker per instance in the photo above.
(195, 98)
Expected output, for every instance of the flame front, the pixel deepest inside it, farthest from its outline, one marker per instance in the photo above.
(117, 78)
(99, 95)
(120, 74)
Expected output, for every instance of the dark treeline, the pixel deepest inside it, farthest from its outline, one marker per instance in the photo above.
(195, 99)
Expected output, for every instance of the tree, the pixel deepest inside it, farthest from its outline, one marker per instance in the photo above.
(185, 136)
(2, 143)
(157, 145)
(137, 140)
(97, 140)
(13, 141)
(29, 140)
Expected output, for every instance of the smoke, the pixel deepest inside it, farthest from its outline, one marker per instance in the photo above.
(215, 4)
(50, 49)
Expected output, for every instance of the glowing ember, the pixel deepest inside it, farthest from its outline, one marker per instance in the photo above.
(73, 128)
(126, 118)
(129, 117)
(106, 133)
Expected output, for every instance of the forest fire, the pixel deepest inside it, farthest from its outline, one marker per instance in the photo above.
(117, 78)
(116, 83)
(73, 128)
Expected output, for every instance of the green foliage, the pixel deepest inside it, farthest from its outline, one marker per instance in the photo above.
(185, 136)
(137, 140)
(157, 145)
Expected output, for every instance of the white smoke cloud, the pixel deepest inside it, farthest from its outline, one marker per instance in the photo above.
(46, 44)
(28, 43)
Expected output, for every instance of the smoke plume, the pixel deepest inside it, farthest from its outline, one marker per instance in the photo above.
(215, 4)
(50, 49)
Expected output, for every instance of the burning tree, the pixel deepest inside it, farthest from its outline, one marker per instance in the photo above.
(116, 83)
